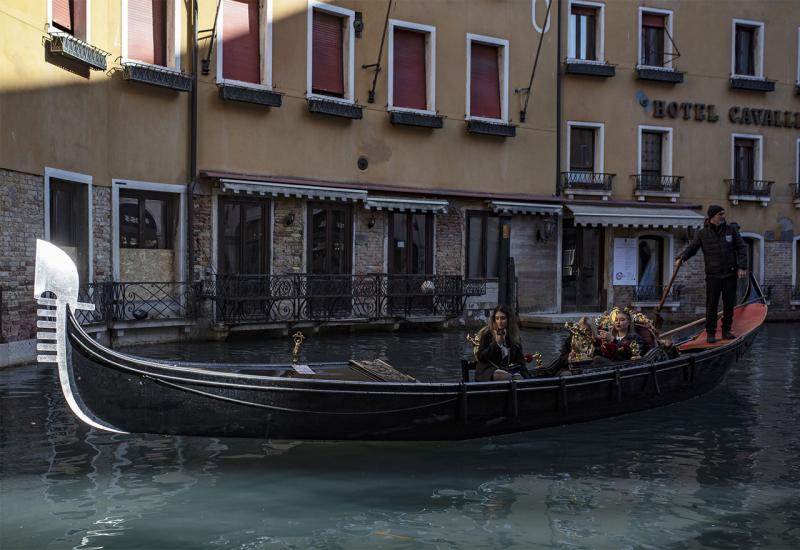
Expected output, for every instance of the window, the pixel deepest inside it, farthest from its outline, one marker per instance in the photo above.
(331, 51)
(68, 216)
(487, 81)
(412, 66)
(651, 265)
(744, 158)
(150, 32)
(243, 236)
(653, 39)
(330, 238)
(243, 49)
(755, 254)
(586, 31)
(411, 242)
(146, 220)
(483, 245)
(71, 17)
(581, 149)
(748, 48)
(651, 154)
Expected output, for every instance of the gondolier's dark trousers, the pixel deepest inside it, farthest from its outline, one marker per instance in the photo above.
(714, 287)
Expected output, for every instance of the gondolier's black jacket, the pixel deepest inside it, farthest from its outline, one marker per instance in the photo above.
(490, 357)
(724, 249)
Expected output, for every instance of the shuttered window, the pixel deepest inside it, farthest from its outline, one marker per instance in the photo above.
(484, 92)
(652, 143)
(327, 65)
(653, 26)
(581, 150)
(241, 59)
(745, 50)
(409, 70)
(63, 15)
(147, 31)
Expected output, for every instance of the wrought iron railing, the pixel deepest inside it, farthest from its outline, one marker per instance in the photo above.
(654, 293)
(586, 181)
(243, 299)
(658, 183)
(138, 301)
(746, 187)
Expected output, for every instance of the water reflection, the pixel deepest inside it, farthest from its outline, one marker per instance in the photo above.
(720, 471)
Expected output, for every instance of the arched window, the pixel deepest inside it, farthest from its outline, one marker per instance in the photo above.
(651, 262)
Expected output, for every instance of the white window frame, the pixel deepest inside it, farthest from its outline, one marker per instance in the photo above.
(600, 32)
(666, 161)
(430, 65)
(349, 54)
(179, 247)
(797, 161)
(759, 173)
(52, 29)
(265, 43)
(795, 274)
(174, 37)
(760, 240)
(759, 54)
(669, 253)
(798, 57)
(668, 53)
(502, 52)
(73, 177)
(599, 144)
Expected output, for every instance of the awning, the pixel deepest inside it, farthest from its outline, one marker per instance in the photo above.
(264, 188)
(631, 216)
(506, 207)
(406, 205)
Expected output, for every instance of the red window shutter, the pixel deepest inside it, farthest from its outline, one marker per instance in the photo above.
(409, 80)
(63, 12)
(583, 10)
(653, 20)
(327, 65)
(241, 41)
(147, 31)
(484, 88)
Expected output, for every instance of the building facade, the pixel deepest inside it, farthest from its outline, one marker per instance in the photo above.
(259, 164)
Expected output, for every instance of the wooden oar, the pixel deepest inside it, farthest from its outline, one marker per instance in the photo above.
(659, 318)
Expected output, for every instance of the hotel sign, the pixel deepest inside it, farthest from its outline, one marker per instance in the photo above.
(707, 112)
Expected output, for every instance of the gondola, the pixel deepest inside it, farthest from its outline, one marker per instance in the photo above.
(121, 393)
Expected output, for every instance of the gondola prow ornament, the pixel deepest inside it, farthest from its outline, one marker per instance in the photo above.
(298, 338)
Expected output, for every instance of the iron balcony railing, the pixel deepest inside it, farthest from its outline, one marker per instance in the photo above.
(138, 301)
(261, 299)
(657, 183)
(586, 181)
(747, 187)
(654, 293)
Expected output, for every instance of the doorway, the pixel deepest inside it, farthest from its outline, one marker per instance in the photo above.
(410, 262)
(330, 256)
(582, 272)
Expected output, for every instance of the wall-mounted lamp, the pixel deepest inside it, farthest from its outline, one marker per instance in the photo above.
(546, 230)
(290, 218)
(358, 24)
(371, 222)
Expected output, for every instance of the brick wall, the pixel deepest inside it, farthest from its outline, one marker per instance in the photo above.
(369, 242)
(101, 230)
(449, 253)
(287, 240)
(536, 264)
(201, 235)
(778, 276)
(21, 223)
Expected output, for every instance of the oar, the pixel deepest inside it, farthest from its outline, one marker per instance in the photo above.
(659, 318)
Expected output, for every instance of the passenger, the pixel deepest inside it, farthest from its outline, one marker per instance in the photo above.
(621, 342)
(499, 353)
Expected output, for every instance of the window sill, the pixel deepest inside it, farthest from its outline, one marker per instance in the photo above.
(249, 94)
(486, 128)
(571, 193)
(659, 74)
(752, 83)
(642, 195)
(65, 44)
(735, 199)
(796, 202)
(156, 76)
(654, 303)
(587, 67)
(415, 118)
(335, 108)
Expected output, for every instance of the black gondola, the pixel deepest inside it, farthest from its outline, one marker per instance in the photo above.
(347, 401)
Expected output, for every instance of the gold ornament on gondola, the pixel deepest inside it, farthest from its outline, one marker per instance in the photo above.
(582, 340)
(475, 340)
(538, 358)
(635, 351)
(298, 338)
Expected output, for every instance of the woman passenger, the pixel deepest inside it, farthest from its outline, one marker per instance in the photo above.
(621, 342)
(499, 353)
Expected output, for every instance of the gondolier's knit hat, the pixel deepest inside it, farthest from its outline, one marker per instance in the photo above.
(713, 210)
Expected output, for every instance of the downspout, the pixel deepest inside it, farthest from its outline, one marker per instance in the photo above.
(192, 152)
(558, 101)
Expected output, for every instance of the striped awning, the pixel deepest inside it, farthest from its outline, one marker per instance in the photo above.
(631, 216)
(406, 205)
(507, 207)
(268, 189)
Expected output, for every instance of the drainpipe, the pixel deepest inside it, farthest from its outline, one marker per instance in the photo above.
(192, 152)
(558, 101)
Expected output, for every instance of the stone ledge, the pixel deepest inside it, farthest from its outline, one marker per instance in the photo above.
(17, 353)
(245, 94)
(583, 68)
(156, 76)
(491, 128)
(752, 84)
(408, 118)
(334, 108)
(670, 76)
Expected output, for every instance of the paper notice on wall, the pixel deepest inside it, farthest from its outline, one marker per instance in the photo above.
(625, 262)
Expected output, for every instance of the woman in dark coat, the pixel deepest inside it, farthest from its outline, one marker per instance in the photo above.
(621, 342)
(499, 353)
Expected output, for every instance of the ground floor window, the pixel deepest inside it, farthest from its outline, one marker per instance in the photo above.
(651, 261)
(411, 243)
(69, 221)
(329, 238)
(243, 236)
(146, 220)
(483, 245)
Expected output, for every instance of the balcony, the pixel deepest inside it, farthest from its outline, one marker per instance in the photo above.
(749, 190)
(656, 185)
(120, 305)
(293, 298)
(157, 76)
(659, 74)
(587, 67)
(586, 183)
(752, 83)
(65, 44)
(795, 194)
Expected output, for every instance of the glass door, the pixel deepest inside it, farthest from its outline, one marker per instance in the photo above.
(581, 274)
(330, 257)
(410, 262)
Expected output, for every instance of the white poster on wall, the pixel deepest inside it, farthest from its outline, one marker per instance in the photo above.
(625, 262)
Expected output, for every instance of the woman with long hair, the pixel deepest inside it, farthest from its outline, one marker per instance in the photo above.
(499, 353)
(621, 342)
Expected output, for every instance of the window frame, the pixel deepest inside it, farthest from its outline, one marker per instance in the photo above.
(758, 55)
(53, 29)
(484, 215)
(430, 65)
(666, 147)
(429, 240)
(599, 144)
(265, 43)
(502, 46)
(76, 178)
(797, 161)
(668, 252)
(267, 209)
(600, 31)
(795, 270)
(169, 216)
(668, 43)
(348, 51)
(758, 156)
(173, 37)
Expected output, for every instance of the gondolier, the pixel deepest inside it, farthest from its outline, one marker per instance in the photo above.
(725, 254)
